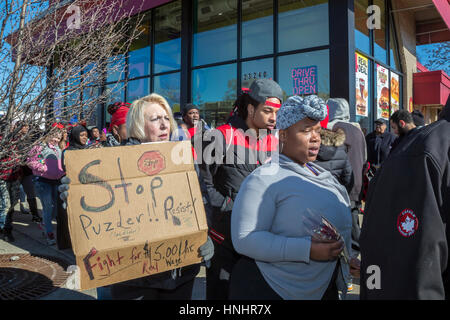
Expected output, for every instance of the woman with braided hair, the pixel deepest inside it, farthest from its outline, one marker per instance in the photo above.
(280, 259)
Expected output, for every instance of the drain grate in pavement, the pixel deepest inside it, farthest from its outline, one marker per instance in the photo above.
(27, 277)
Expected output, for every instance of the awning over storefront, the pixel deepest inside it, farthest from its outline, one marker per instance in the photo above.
(431, 88)
(433, 26)
(432, 19)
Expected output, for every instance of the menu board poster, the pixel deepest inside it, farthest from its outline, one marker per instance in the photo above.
(362, 83)
(382, 93)
(395, 92)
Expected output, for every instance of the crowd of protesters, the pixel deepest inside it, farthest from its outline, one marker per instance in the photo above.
(286, 169)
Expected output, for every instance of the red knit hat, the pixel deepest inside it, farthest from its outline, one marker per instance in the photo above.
(118, 112)
(324, 122)
(58, 125)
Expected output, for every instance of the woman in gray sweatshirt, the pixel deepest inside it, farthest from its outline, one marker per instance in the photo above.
(268, 223)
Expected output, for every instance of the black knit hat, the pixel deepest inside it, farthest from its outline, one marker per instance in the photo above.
(187, 107)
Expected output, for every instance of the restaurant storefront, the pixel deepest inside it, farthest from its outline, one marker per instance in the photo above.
(206, 51)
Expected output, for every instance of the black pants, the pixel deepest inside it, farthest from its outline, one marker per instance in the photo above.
(62, 227)
(247, 282)
(219, 273)
(356, 229)
(127, 292)
(332, 291)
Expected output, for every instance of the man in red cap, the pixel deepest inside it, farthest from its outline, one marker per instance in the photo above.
(254, 109)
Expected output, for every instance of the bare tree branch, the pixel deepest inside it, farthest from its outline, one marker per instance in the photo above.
(79, 41)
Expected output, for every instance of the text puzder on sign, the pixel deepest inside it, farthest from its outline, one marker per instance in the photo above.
(134, 211)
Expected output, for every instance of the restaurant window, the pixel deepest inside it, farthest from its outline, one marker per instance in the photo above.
(384, 95)
(380, 34)
(305, 73)
(90, 87)
(58, 106)
(168, 37)
(90, 104)
(137, 89)
(139, 53)
(72, 88)
(114, 93)
(91, 75)
(214, 91)
(59, 109)
(362, 34)
(168, 86)
(302, 24)
(393, 49)
(90, 94)
(214, 31)
(257, 69)
(257, 28)
(115, 68)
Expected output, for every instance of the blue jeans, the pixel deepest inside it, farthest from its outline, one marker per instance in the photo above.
(48, 193)
(22, 194)
(104, 293)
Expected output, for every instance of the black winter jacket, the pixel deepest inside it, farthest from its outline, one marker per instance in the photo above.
(240, 155)
(355, 144)
(333, 157)
(168, 280)
(378, 147)
(405, 232)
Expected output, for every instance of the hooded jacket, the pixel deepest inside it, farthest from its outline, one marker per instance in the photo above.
(241, 155)
(74, 138)
(333, 157)
(405, 231)
(74, 142)
(355, 143)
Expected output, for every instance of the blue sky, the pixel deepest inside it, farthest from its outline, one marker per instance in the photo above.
(422, 53)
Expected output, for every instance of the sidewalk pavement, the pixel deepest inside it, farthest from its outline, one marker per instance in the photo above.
(30, 239)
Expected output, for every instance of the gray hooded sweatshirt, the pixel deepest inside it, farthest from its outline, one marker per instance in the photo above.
(355, 142)
(267, 224)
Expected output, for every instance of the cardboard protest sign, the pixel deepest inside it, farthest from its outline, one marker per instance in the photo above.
(134, 211)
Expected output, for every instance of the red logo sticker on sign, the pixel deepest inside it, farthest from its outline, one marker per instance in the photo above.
(151, 163)
(407, 223)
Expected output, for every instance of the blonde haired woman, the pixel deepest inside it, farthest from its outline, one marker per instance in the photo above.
(150, 119)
